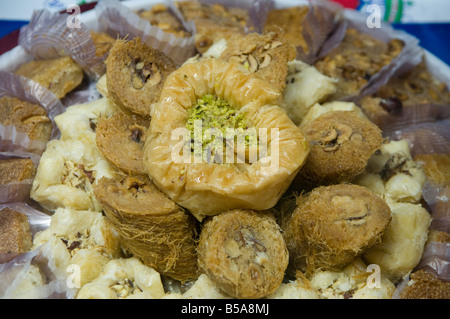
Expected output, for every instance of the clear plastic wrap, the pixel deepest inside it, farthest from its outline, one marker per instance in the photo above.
(410, 54)
(324, 28)
(49, 35)
(120, 21)
(13, 85)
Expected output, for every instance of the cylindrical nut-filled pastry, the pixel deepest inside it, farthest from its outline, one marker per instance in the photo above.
(341, 143)
(243, 252)
(127, 133)
(216, 172)
(151, 226)
(332, 225)
(135, 75)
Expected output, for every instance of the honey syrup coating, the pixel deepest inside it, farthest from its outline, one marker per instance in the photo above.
(243, 252)
(341, 143)
(127, 133)
(332, 225)
(135, 75)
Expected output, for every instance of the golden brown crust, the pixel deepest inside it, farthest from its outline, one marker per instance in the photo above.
(243, 252)
(262, 54)
(60, 75)
(16, 170)
(26, 117)
(135, 75)
(121, 139)
(425, 285)
(332, 225)
(357, 58)
(15, 234)
(213, 22)
(341, 143)
(151, 226)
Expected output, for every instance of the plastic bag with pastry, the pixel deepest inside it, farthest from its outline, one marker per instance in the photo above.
(314, 27)
(16, 176)
(79, 122)
(207, 187)
(49, 36)
(65, 175)
(117, 19)
(215, 20)
(34, 130)
(124, 279)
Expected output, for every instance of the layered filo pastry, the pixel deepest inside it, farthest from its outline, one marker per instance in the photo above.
(207, 173)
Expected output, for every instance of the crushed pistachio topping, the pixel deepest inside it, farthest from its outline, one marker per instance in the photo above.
(210, 121)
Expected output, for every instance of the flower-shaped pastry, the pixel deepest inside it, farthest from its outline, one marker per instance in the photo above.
(218, 140)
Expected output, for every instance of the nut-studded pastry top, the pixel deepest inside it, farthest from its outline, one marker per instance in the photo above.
(213, 22)
(341, 144)
(262, 54)
(357, 58)
(127, 133)
(160, 16)
(135, 75)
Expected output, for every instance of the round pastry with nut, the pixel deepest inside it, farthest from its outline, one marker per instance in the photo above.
(135, 75)
(341, 143)
(243, 252)
(332, 225)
